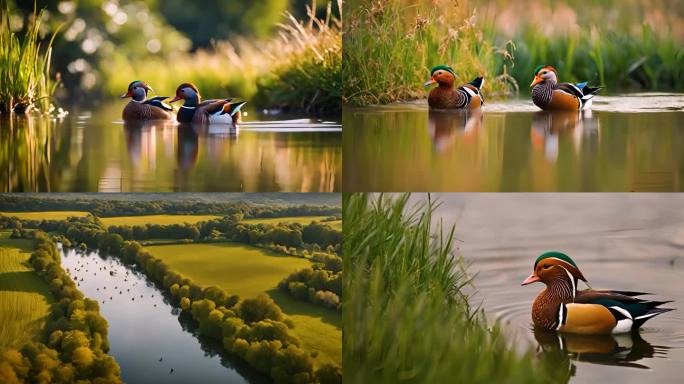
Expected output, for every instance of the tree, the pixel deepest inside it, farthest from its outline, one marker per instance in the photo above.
(261, 308)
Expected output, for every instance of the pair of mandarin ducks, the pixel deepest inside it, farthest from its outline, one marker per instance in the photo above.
(563, 307)
(194, 110)
(547, 92)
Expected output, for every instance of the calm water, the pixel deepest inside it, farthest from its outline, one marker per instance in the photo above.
(627, 143)
(94, 151)
(619, 241)
(144, 327)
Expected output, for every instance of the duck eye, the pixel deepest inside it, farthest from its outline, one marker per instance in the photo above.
(546, 266)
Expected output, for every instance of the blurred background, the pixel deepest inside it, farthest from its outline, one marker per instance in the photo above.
(228, 48)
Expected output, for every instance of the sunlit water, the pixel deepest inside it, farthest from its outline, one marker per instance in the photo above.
(94, 151)
(619, 241)
(144, 328)
(625, 143)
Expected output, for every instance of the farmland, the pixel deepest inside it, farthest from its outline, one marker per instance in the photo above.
(275, 220)
(156, 219)
(49, 215)
(247, 271)
(24, 297)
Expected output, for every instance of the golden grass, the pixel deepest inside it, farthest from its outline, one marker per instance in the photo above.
(247, 271)
(46, 215)
(24, 298)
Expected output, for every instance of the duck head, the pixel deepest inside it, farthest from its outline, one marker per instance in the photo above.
(544, 73)
(187, 92)
(443, 75)
(552, 268)
(137, 90)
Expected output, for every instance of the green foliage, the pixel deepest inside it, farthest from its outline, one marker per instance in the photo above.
(412, 321)
(25, 80)
(390, 46)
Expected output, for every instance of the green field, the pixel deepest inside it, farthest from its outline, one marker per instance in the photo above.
(247, 271)
(24, 298)
(156, 219)
(294, 219)
(45, 215)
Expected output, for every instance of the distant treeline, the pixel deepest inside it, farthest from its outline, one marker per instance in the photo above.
(283, 238)
(320, 285)
(75, 345)
(106, 208)
(253, 329)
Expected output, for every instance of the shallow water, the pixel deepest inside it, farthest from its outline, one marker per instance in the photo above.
(94, 151)
(144, 327)
(619, 241)
(625, 143)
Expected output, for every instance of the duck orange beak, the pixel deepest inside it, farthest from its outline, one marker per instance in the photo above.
(125, 95)
(536, 81)
(430, 82)
(176, 98)
(531, 279)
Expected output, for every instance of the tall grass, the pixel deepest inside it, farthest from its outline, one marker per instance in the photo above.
(299, 69)
(24, 67)
(406, 317)
(647, 60)
(390, 46)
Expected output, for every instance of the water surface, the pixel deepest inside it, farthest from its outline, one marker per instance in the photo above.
(94, 151)
(626, 143)
(144, 328)
(619, 241)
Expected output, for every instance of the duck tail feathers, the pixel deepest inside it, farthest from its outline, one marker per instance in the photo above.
(477, 83)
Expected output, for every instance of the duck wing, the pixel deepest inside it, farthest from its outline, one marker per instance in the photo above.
(624, 305)
(158, 102)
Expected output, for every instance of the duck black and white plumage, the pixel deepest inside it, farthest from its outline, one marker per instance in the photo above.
(549, 94)
(141, 108)
(213, 111)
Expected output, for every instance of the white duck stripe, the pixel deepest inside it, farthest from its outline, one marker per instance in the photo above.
(562, 316)
(470, 91)
(646, 315)
(572, 281)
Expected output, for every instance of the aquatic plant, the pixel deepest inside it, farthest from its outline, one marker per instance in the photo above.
(24, 67)
(390, 46)
(406, 314)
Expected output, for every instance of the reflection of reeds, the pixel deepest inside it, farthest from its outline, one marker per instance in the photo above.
(407, 318)
(24, 69)
(298, 69)
(390, 45)
(25, 154)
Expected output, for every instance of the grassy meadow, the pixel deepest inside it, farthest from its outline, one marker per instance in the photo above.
(247, 271)
(626, 45)
(408, 318)
(24, 298)
(276, 220)
(45, 215)
(155, 219)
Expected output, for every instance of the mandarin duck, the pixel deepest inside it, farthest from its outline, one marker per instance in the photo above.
(142, 108)
(213, 111)
(548, 94)
(562, 307)
(444, 96)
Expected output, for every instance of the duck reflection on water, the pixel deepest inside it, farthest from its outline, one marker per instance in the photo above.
(445, 127)
(625, 350)
(549, 128)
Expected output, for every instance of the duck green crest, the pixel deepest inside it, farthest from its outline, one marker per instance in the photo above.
(133, 82)
(444, 68)
(539, 67)
(557, 255)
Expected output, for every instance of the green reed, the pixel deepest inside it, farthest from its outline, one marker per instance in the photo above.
(390, 46)
(406, 316)
(24, 67)
(620, 61)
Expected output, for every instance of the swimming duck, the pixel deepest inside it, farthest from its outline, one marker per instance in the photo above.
(563, 308)
(466, 96)
(141, 108)
(214, 111)
(548, 94)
